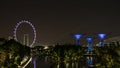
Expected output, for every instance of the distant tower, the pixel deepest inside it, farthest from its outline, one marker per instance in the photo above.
(26, 40)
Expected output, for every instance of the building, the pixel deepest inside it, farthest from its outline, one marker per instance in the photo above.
(26, 40)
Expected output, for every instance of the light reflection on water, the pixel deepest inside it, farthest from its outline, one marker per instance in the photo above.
(40, 62)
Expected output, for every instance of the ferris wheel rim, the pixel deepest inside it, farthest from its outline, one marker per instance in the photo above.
(29, 23)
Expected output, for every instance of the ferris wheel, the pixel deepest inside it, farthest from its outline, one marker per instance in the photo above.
(29, 23)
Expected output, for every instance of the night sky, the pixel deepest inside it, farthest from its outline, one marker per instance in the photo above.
(55, 21)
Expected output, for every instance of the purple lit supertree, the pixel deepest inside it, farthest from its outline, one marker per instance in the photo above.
(77, 37)
(27, 22)
(101, 36)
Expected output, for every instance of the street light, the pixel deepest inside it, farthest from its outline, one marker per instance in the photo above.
(101, 36)
(77, 37)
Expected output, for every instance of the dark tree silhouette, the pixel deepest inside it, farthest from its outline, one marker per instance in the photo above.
(12, 53)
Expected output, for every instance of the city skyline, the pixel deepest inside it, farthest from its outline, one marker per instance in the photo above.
(55, 21)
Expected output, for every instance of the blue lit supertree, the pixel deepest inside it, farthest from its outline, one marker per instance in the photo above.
(101, 36)
(77, 37)
(89, 58)
(89, 40)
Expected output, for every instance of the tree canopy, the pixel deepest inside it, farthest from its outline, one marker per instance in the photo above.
(12, 53)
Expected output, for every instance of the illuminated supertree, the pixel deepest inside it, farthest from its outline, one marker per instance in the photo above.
(77, 37)
(101, 36)
(89, 58)
(89, 40)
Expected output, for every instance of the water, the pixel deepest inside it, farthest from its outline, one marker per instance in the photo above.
(41, 62)
(38, 62)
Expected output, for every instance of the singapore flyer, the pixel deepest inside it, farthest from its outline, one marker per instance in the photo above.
(31, 25)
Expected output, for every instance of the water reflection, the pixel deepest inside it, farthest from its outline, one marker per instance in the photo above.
(40, 62)
(68, 65)
(34, 62)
